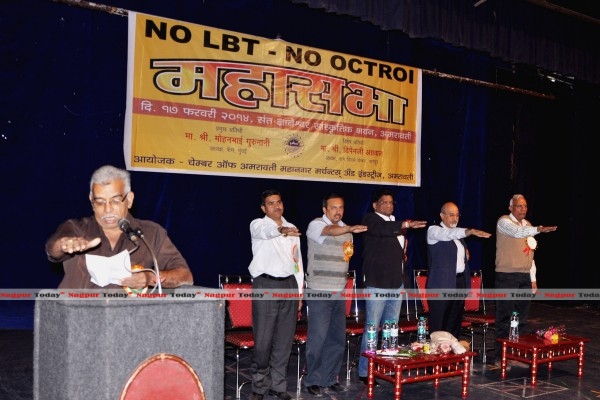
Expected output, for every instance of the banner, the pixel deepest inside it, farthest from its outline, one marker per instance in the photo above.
(207, 101)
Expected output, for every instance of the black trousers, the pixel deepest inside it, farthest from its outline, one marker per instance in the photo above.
(505, 307)
(274, 326)
(445, 314)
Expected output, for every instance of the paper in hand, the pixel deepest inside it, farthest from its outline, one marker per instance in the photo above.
(107, 270)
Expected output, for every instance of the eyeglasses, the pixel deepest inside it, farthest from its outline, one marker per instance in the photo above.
(115, 201)
(386, 203)
(452, 215)
(519, 205)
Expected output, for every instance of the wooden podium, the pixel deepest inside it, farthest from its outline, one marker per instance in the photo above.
(89, 348)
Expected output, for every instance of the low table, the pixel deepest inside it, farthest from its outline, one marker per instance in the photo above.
(423, 367)
(535, 350)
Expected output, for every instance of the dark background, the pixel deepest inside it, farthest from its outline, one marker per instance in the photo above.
(62, 107)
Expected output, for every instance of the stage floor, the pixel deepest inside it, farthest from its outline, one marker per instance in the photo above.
(16, 374)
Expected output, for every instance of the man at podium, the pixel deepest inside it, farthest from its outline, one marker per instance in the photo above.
(105, 250)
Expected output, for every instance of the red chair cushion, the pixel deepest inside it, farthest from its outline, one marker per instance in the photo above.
(244, 340)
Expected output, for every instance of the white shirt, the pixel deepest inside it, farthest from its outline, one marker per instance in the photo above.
(274, 254)
(315, 229)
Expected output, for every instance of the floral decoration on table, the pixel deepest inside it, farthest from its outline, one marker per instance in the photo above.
(552, 333)
(441, 343)
(431, 348)
(400, 352)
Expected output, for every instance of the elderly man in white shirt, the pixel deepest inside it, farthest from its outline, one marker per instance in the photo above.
(515, 268)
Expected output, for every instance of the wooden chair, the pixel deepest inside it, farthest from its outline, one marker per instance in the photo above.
(163, 376)
(476, 313)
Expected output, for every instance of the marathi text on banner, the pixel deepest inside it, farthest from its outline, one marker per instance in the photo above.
(208, 101)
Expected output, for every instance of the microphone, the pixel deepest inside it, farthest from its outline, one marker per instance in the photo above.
(135, 235)
(139, 233)
(131, 233)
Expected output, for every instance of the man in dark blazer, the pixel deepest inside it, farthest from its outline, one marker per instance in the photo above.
(383, 264)
(447, 259)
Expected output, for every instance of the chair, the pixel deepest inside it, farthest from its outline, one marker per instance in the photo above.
(163, 376)
(476, 313)
(238, 333)
(420, 279)
(419, 282)
(407, 326)
(354, 325)
(300, 338)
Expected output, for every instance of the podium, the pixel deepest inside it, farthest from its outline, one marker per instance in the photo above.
(88, 348)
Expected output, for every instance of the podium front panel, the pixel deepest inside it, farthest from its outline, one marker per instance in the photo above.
(87, 349)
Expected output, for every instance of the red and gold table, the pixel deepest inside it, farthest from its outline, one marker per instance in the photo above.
(422, 367)
(535, 350)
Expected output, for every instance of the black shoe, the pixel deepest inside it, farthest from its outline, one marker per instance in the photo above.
(314, 390)
(256, 396)
(336, 387)
(365, 380)
(281, 395)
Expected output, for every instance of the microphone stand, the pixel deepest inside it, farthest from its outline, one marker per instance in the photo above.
(155, 262)
(134, 235)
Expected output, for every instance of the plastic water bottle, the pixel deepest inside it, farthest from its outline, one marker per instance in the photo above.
(394, 335)
(385, 335)
(371, 338)
(421, 330)
(513, 333)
